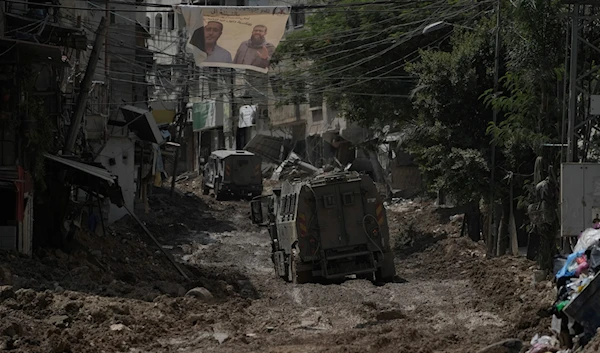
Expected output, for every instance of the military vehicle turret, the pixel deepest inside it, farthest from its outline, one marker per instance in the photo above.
(329, 227)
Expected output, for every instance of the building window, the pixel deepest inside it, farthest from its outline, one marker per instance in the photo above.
(298, 18)
(158, 22)
(317, 115)
(113, 20)
(171, 20)
(328, 201)
(315, 100)
(148, 23)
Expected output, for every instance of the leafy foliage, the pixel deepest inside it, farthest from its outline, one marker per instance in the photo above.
(531, 103)
(531, 110)
(450, 142)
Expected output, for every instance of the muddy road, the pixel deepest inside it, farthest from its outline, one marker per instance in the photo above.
(119, 294)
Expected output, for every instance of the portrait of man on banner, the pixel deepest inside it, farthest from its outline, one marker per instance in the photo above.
(240, 37)
(205, 38)
(255, 51)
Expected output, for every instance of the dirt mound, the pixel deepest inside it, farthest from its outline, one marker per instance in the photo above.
(506, 282)
(416, 224)
(429, 236)
(117, 291)
(74, 322)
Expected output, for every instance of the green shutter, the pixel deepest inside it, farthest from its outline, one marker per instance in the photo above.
(199, 115)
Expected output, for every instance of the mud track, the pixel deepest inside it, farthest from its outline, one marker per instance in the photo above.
(129, 299)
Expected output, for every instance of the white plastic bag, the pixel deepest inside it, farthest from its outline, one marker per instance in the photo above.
(587, 239)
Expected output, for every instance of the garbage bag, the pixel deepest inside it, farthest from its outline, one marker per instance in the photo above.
(558, 262)
(587, 238)
(571, 265)
(594, 258)
(544, 344)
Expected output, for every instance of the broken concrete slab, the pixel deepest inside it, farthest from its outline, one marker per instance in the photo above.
(220, 336)
(118, 327)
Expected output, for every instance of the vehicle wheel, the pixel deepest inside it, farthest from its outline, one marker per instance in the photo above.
(382, 275)
(387, 270)
(298, 277)
(217, 191)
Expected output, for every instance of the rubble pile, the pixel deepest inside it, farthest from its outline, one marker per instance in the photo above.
(293, 168)
(416, 224)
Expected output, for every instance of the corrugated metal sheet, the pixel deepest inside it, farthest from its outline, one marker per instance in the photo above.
(269, 148)
(89, 169)
(142, 122)
(10, 173)
(227, 153)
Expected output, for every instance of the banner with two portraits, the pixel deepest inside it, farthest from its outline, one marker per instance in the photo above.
(241, 37)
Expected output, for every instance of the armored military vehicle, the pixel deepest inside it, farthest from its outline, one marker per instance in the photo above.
(328, 227)
(232, 173)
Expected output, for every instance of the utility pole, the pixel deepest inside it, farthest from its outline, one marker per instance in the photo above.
(233, 115)
(181, 126)
(85, 88)
(573, 84)
(106, 64)
(492, 230)
(229, 120)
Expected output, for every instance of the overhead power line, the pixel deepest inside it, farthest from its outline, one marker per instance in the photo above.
(297, 6)
(294, 8)
(444, 12)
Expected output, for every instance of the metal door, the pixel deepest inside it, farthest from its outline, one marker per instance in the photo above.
(340, 216)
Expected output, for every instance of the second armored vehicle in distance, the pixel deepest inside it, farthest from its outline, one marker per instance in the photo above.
(232, 173)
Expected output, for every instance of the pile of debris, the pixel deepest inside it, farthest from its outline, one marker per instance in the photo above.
(576, 314)
(294, 168)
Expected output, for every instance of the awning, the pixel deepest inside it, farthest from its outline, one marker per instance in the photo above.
(141, 121)
(91, 178)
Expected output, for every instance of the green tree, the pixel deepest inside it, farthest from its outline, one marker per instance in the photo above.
(531, 107)
(450, 142)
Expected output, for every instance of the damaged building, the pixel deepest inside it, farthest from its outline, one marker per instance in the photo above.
(98, 178)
